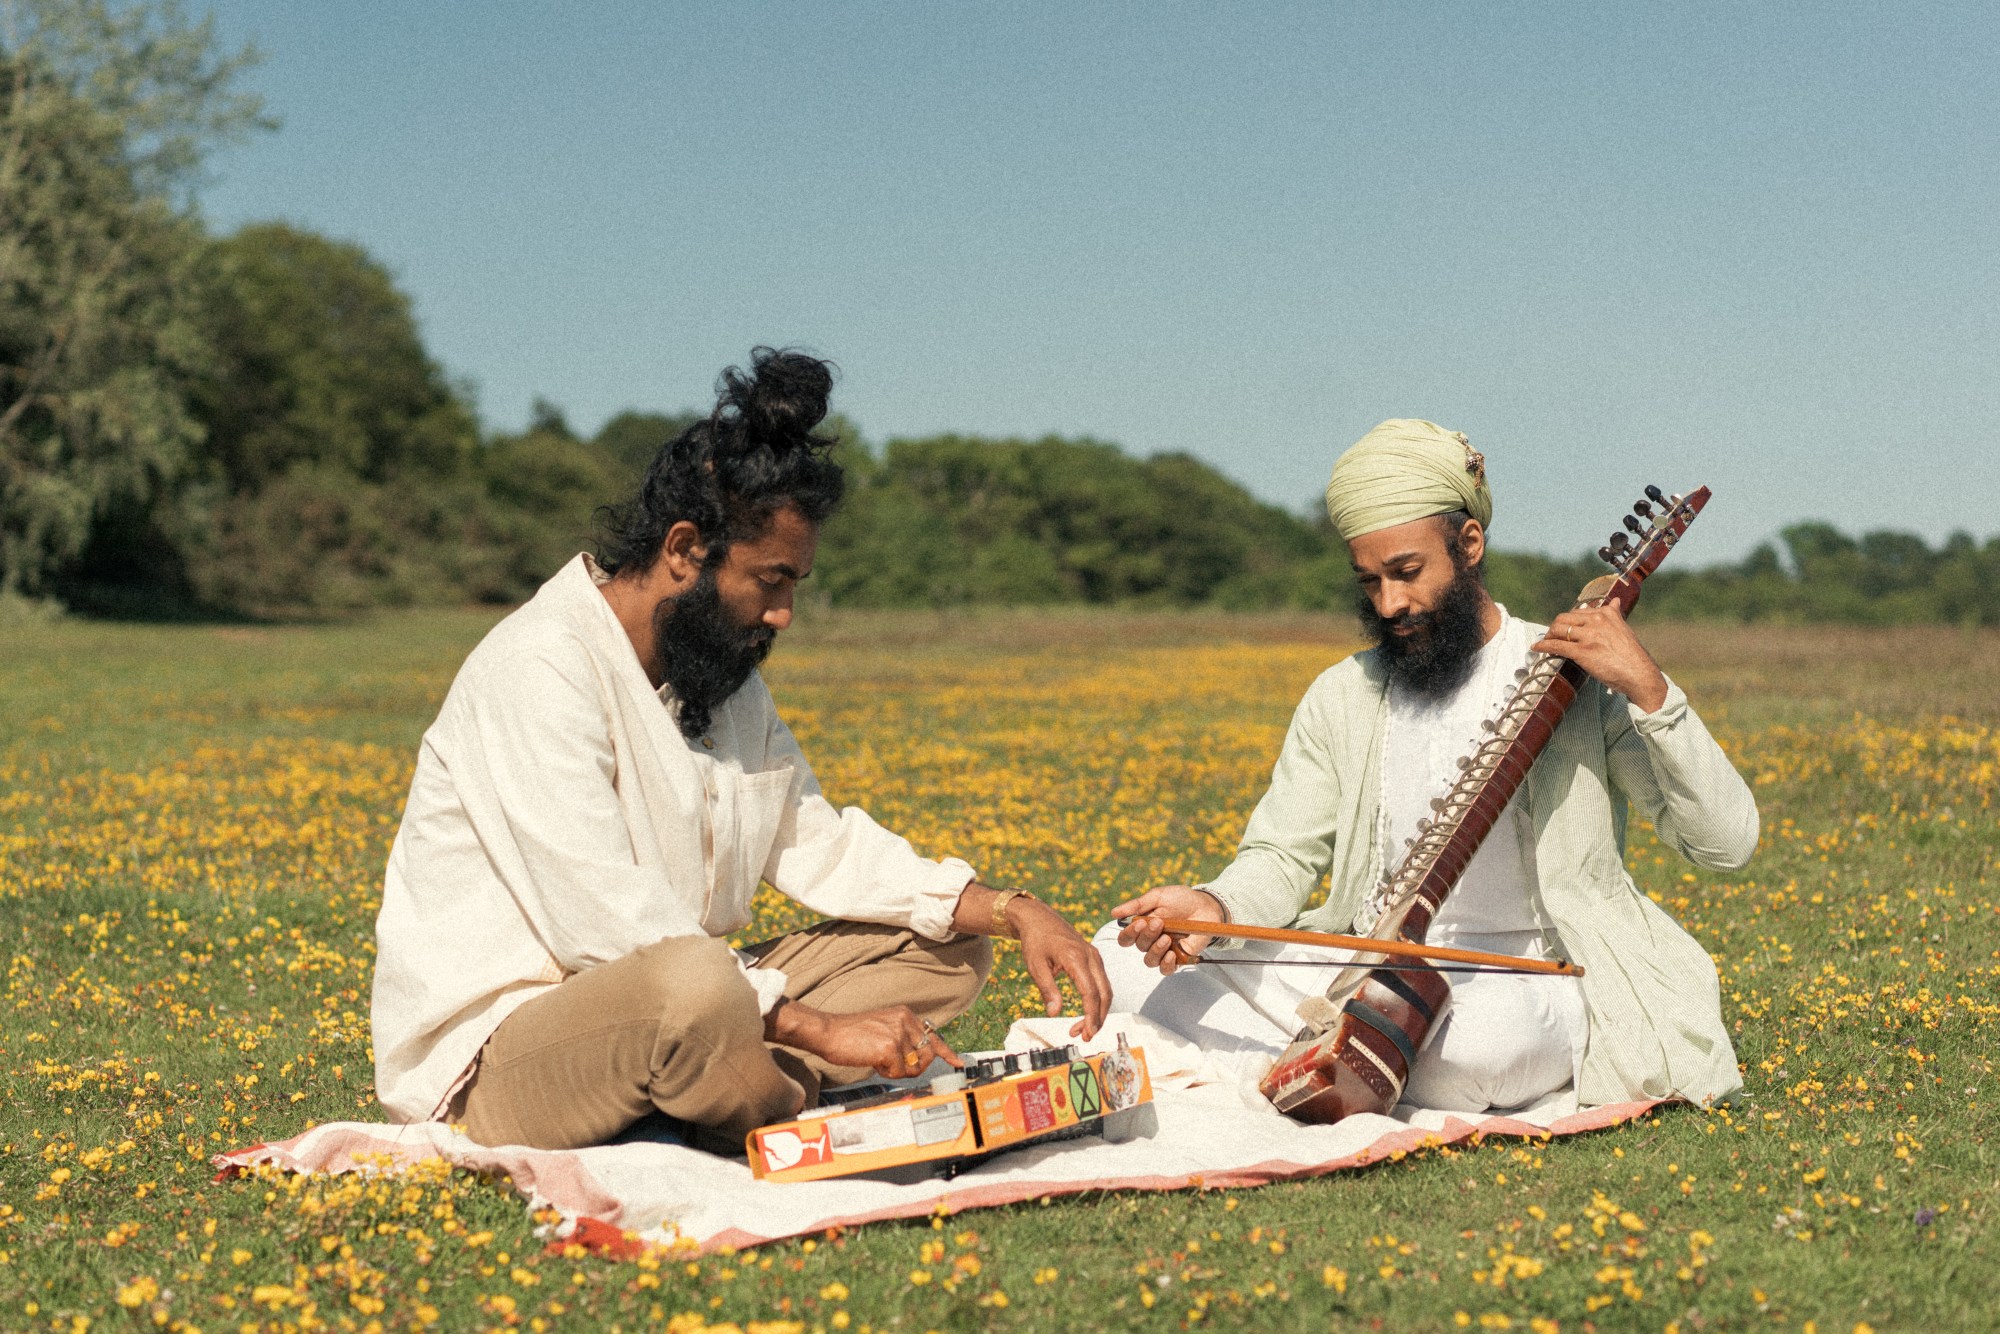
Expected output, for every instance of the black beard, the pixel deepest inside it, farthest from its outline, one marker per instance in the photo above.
(1436, 657)
(704, 655)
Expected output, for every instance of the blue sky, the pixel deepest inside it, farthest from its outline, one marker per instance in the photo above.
(1746, 245)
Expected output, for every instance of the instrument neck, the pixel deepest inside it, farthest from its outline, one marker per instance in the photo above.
(1487, 781)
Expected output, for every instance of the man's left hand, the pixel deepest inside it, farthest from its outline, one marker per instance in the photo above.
(1602, 642)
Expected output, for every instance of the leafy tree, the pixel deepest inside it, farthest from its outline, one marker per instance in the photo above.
(338, 465)
(546, 487)
(545, 418)
(953, 520)
(104, 120)
(631, 439)
(318, 361)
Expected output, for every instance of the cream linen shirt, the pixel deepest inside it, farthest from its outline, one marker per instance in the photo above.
(558, 820)
(1655, 1006)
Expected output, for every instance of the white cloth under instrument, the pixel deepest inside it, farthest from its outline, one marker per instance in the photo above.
(1506, 1041)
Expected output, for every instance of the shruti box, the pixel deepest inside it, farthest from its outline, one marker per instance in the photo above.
(995, 1103)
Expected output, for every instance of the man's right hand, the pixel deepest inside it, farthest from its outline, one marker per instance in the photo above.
(894, 1041)
(1143, 931)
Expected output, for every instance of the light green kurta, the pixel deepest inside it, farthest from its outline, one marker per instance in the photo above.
(1655, 1005)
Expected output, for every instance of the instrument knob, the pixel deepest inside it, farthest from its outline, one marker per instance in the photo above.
(1619, 541)
(1607, 555)
(1632, 525)
(1437, 803)
(1654, 494)
(1643, 507)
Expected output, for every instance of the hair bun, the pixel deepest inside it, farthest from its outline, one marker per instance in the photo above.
(779, 402)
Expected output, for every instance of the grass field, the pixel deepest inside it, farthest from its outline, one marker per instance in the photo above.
(193, 823)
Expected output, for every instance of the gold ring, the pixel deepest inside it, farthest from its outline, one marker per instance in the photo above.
(910, 1060)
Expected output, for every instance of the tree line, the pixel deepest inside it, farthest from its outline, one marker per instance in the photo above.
(250, 425)
(957, 521)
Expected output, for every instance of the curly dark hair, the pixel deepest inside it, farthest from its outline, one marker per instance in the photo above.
(727, 475)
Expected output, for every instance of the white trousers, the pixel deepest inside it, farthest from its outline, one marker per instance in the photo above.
(1505, 1042)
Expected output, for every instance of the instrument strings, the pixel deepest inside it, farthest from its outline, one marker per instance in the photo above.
(1477, 772)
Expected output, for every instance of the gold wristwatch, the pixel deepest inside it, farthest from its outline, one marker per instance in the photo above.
(1000, 902)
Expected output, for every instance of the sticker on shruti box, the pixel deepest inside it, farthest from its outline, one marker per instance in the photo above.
(1036, 1110)
(1121, 1077)
(940, 1124)
(786, 1148)
(872, 1131)
(1084, 1092)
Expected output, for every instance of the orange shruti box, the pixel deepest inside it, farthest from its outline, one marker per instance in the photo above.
(958, 1119)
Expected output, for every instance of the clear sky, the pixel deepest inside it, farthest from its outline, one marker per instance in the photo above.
(1751, 245)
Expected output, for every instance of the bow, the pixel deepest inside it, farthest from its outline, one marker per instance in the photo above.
(1479, 960)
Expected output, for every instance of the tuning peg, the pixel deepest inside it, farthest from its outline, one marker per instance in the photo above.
(1520, 673)
(1643, 508)
(1437, 803)
(1619, 542)
(1607, 555)
(1654, 494)
(1675, 499)
(1632, 525)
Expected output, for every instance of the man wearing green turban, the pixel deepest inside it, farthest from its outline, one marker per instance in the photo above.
(1405, 470)
(1377, 737)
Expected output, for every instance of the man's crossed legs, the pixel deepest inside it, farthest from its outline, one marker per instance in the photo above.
(674, 1028)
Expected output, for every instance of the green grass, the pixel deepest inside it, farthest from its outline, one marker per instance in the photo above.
(192, 826)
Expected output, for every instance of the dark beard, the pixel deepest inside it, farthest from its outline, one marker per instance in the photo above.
(704, 655)
(1437, 658)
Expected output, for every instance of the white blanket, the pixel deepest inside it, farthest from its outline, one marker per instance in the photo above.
(1215, 1130)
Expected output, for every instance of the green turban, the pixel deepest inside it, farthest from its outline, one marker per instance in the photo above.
(1402, 470)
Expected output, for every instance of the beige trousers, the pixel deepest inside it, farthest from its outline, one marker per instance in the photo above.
(674, 1027)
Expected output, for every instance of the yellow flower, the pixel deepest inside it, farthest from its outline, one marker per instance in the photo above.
(138, 1292)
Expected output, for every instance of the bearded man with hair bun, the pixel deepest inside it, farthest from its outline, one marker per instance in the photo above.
(1377, 737)
(604, 789)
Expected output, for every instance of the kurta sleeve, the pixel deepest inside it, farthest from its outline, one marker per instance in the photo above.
(1287, 847)
(531, 758)
(1675, 775)
(839, 862)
